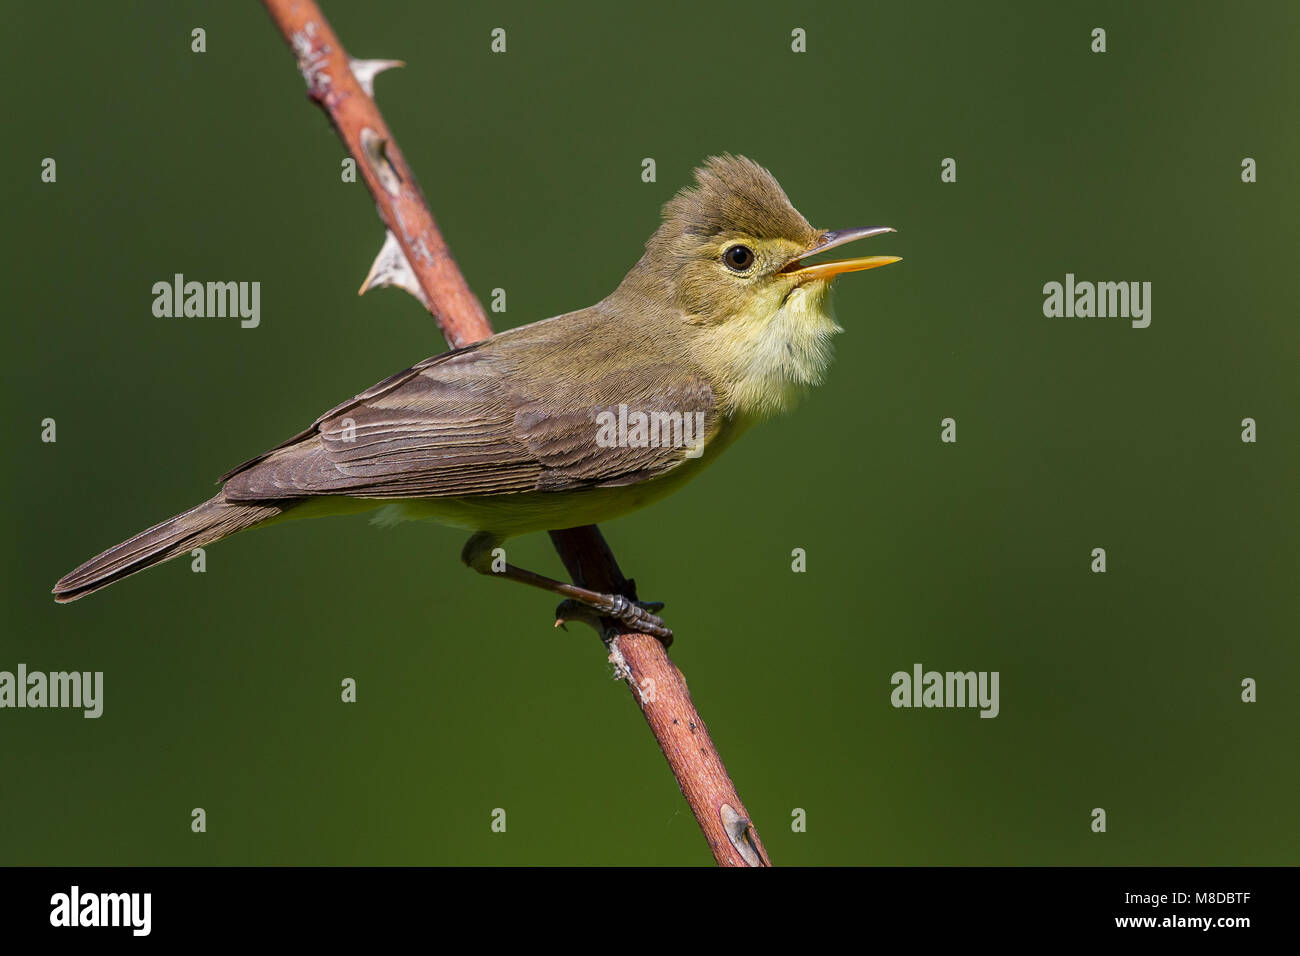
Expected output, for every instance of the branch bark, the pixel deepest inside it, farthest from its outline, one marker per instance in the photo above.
(433, 277)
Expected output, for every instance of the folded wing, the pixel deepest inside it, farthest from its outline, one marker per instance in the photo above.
(479, 421)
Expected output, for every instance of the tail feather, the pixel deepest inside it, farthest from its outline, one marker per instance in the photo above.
(209, 522)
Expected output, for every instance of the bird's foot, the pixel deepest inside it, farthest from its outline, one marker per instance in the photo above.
(636, 616)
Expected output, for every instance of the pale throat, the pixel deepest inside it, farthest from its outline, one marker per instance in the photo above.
(773, 356)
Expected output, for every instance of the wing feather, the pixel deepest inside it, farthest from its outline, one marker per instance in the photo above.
(473, 422)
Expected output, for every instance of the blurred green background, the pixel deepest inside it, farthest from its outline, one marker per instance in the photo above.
(1118, 690)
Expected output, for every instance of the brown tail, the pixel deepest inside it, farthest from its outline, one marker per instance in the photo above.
(209, 522)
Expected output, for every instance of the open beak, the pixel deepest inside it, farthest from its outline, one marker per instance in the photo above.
(829, 240)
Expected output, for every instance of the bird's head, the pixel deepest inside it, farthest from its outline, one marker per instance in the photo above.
(731, 257)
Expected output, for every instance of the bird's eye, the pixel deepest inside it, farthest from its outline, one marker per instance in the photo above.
(738, 258)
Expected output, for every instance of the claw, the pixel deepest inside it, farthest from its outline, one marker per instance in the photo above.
(575, 611)
(635, 615)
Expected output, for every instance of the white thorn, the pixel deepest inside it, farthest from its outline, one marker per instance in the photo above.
(366, 70)
(391, 268)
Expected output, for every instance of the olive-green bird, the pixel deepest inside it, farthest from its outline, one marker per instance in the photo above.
(569, 421)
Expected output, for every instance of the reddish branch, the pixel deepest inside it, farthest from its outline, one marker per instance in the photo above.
(660, 690)
(657, 685)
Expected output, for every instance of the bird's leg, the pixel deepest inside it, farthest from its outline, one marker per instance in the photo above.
(478, 554)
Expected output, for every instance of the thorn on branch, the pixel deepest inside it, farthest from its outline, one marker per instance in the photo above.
(391, 268)
(366, 70)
